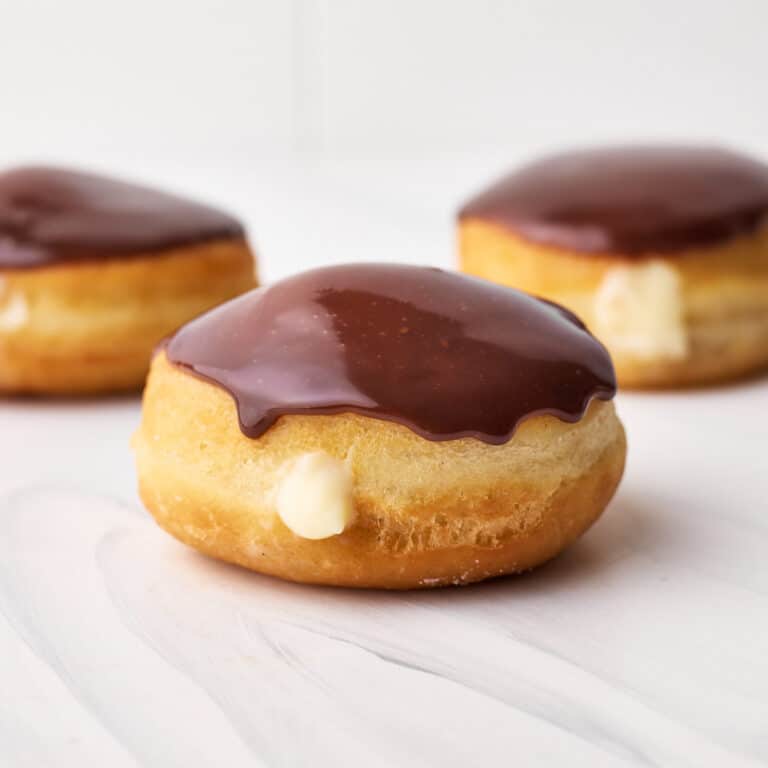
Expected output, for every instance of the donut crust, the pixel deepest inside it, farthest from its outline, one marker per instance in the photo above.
(90, 327)
(724, 298)
(427, 513)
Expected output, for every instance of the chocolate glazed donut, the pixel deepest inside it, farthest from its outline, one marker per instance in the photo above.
(380, 425)
(94, 271)
(662, 250)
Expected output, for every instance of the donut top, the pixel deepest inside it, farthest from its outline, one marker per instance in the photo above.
(444, 354)
(49, 215)
(630, 200)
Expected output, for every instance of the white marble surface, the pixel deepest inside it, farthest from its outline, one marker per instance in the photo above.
(645, 644)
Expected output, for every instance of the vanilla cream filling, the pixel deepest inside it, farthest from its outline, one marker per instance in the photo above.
(14, 312)
(638, 310)
(314, 498)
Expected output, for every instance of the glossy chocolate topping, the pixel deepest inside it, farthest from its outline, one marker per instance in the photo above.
(444, 354)
(48, 215)
(631, 201)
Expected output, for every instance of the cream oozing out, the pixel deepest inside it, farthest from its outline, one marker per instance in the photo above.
(314, 497)
(639, 310)
(14, 311)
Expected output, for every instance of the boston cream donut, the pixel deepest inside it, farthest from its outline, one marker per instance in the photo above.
(380, 426)
(663, 251)
(94, 272)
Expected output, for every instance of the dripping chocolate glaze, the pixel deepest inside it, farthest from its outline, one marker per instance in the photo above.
(446, 355)
(631, 201)
(50, 215)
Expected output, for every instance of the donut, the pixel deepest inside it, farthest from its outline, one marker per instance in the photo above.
(95, 271)
(380, 426)
(661, 250)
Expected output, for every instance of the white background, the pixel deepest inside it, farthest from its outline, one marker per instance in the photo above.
(207, 80)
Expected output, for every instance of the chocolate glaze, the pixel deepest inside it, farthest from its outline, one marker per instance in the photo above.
(50, 215)
(446, 355)
(630, 201)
